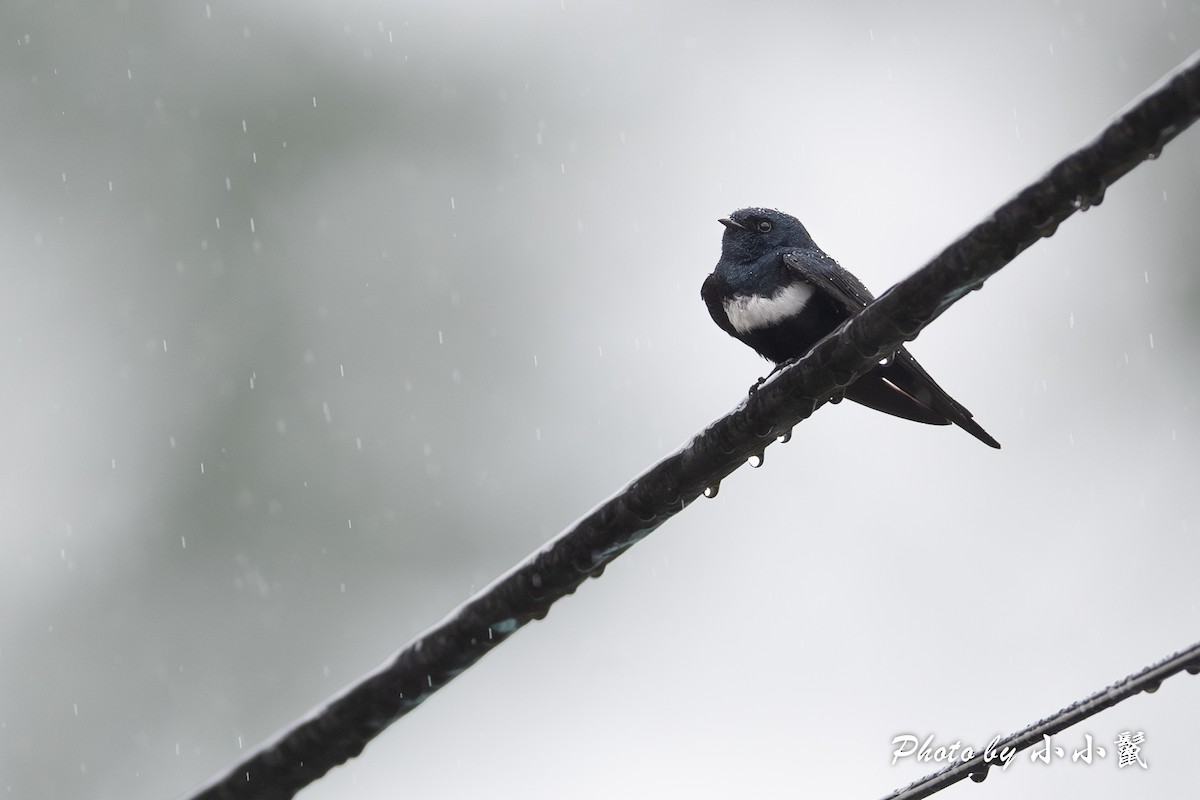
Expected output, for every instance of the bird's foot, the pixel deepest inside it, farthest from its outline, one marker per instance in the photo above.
(761, 381)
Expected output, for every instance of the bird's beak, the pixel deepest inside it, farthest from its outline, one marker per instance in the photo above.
(728, 223)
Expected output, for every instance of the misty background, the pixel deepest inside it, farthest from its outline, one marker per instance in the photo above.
(316, 317)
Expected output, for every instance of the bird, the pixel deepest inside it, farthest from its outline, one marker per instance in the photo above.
(775, 290)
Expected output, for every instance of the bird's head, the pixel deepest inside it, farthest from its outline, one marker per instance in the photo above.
(751, 233)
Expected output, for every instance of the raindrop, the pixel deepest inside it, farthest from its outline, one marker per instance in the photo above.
(787, 437)
(1047, 227)
(756, 460)
(842, 377)
(711, 491)
(837, 397)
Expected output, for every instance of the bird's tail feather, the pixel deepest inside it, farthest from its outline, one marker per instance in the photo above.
(904, 389)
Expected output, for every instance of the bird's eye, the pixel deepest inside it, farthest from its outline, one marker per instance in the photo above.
(764, 226)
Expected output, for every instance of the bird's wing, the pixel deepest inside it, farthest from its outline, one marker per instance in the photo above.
(902, 388)
(821, 271)
(711, 292)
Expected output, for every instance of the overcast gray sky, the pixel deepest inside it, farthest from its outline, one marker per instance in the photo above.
(316, 317)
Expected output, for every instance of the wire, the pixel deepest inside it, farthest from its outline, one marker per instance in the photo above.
(1148, 680)
(339, 730)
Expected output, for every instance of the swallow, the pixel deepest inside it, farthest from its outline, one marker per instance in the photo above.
(775, 290)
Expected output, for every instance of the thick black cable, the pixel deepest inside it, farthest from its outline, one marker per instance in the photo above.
(339, 730)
